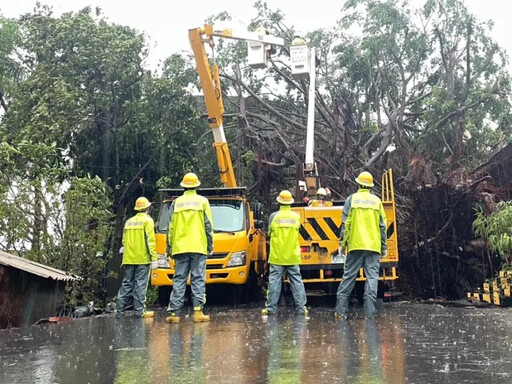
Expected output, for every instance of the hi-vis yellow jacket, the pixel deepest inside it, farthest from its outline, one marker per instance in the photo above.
(191, 226)
(139, 240)
(284, 237)
(364, 223)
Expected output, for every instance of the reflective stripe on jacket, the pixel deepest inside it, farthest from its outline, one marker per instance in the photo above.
(364, 223)
(139, 240)
(284, 237)
(191, 226)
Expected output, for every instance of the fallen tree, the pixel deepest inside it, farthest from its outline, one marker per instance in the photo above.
(440, 255)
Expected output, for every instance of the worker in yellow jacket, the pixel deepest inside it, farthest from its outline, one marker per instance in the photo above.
(284, 256)
(139, 253)
(322, 199)
(297, 39)
(363, 236)
(190, 241)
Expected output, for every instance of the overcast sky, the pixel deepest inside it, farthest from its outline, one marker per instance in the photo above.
(167, 24)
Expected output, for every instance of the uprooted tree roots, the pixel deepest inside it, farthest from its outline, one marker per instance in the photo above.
(439, 254)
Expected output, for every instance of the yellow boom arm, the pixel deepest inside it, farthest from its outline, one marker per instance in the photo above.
(210, 83)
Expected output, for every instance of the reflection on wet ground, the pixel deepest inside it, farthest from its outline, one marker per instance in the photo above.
(406, 343)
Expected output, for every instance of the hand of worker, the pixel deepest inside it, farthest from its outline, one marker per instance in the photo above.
(384, 254)
(154, 264)
(341, 250)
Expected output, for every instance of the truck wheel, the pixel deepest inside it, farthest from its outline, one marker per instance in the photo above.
(382, 287)
(252, 291)
(163, 295)
(257, 286)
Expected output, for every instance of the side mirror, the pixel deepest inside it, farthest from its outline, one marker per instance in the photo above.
(257, 209)
(258, 224)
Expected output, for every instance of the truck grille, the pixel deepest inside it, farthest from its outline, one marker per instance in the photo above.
(218, 256)
(214, 266)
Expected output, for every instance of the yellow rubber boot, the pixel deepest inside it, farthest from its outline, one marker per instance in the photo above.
(147, 314)
(337, 316)
(173, 318)
(199, 316)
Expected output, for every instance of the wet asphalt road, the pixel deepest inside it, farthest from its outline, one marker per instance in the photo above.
(406, 343)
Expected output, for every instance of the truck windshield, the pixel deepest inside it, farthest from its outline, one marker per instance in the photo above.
(228, 216)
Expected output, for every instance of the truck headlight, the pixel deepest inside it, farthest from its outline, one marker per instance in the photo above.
(237, 259)
(163, 262)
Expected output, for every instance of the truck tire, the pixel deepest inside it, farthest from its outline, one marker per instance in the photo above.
(163, 295)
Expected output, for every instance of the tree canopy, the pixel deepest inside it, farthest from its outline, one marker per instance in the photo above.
(423, 90)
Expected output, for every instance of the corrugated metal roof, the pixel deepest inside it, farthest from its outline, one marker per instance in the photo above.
(35, 268)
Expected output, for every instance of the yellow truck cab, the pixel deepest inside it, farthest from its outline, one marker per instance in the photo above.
(239, 249)
(319, 240)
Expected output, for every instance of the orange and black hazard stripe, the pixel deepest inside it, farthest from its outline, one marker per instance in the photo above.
(319, 228)
(390, 230)
(324, 228)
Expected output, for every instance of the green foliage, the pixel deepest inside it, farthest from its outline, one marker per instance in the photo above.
(86, 105)
(87, 229)
(429, 82)
(496, 229)
(88, 91)
(53, 219)
(30, 178)
(164, 182)
(249, 158)
(10, 70)
(151, 295)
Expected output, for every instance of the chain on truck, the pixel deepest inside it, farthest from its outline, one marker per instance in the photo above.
(239, 243)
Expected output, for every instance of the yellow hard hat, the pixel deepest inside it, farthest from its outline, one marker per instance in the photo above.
(321, 191)
(190, 180)
(141, 204)
(261, 31)
(285, 197)
(365, 179)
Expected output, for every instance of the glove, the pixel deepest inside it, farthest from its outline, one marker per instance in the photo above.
(384, 254)
(342, 247)
(154, 264)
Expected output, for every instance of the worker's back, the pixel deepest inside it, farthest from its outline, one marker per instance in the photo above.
(365, 217)
(134, 239)
(187, 233)
(284, 237)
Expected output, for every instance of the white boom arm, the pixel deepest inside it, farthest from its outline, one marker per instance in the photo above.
(248, 36)
(309, 163)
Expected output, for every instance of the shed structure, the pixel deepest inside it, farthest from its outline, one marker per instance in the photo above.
(29, 291)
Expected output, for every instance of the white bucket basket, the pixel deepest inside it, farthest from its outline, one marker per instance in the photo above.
(299, 56)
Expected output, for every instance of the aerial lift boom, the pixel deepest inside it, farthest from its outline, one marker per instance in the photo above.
(320, 225)
(310, 170)
(239, 252)
(210, 82)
